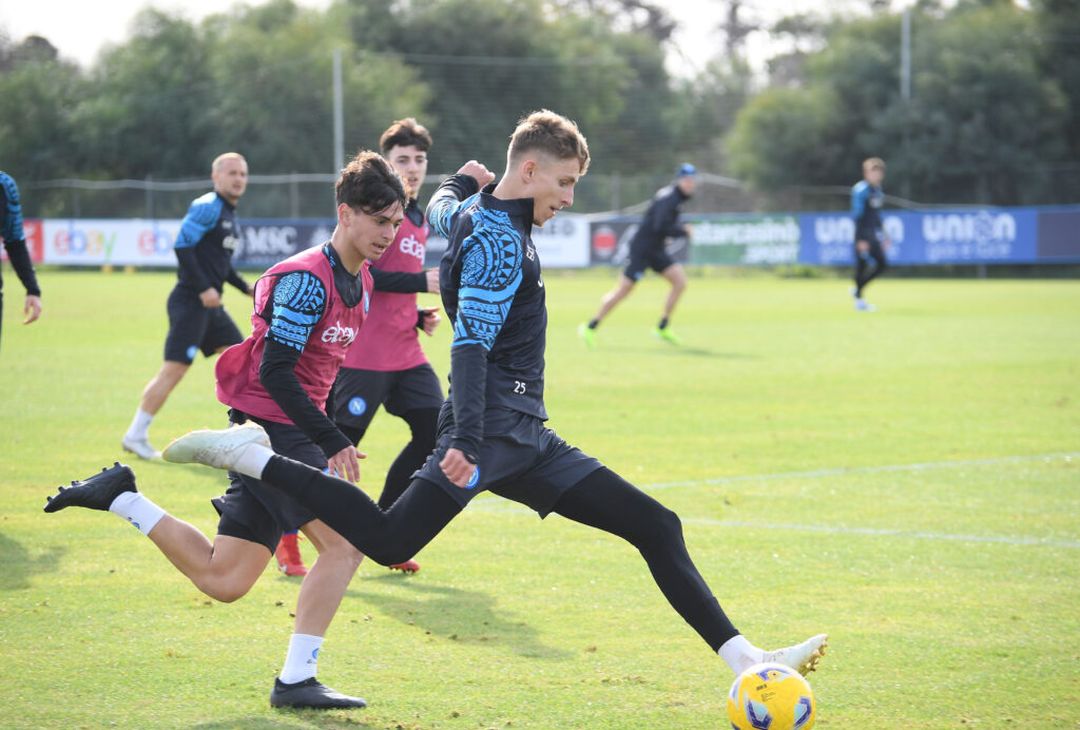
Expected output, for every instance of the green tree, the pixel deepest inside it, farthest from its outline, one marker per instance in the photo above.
(36, 125)
(1057, 30)
(981, 126)
(145, 112)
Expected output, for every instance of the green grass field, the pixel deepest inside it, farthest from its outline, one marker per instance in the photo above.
(908, 481)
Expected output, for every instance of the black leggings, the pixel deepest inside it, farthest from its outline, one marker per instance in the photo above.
(423, 425)
(864, 273)
(603, 500)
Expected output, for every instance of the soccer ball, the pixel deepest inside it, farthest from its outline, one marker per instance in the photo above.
(771, 697)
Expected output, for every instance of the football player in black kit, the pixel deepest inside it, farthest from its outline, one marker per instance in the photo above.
(647, 251)
(197, 319)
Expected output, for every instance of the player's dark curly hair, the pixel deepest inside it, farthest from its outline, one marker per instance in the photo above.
(368, 183)
(405, 132)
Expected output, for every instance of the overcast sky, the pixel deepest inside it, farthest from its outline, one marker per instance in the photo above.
(80, 28)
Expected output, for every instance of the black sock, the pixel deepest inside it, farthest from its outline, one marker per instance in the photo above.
(663, 323)
(594, 323)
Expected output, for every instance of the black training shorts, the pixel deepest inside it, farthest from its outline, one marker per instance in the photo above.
(256, 512)
(653, 258)
(359, 393)
(520, 459)
(193, 327)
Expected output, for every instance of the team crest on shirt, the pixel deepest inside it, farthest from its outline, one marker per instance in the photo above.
(338, 333)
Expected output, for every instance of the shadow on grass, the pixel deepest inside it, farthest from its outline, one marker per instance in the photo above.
(20, 566)
(342, 719)
(670, 351)
(467, 617)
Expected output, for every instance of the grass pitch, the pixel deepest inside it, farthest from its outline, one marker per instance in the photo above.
(908, 481)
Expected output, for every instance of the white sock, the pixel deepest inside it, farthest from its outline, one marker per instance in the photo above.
(740, 654)
(302, 659)
(251, 462)
(138, 510)
(139, 425)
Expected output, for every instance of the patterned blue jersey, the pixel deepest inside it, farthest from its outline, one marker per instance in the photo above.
(493, 292)
(11, 220)
(204, 247)
(866, 202)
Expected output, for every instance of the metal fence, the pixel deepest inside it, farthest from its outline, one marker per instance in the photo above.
(311, 195)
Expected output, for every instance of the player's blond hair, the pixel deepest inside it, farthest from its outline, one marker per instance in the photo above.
(873, 163)
(552, 134)
(223, 157)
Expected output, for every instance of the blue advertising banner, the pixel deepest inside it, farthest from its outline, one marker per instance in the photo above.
(966, 236)
(265, 241)
(1059, 235)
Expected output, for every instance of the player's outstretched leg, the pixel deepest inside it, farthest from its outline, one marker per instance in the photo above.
(94, 492)
(608, 502)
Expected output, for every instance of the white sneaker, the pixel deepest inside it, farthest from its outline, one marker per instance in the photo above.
(802, 657)
(862, 305)
(140, 447)
(219, 449)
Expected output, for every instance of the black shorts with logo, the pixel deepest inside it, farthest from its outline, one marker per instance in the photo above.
(520, 459)
(256, 512)
(194, 328)
(359, 393)
(653, 258)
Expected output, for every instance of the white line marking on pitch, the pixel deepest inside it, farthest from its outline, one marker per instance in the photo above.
(844, 471)
(500, 506)
(879, 532)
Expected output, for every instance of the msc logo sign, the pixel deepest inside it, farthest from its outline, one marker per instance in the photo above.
(275, 241)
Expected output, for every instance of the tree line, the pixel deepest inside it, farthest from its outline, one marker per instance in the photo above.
(993, 114)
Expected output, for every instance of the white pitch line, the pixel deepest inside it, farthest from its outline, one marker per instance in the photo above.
(845, 471)
(879, 532)
(503, 507)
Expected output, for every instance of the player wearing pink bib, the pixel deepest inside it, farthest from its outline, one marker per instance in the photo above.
(386, 365)
(308, 311)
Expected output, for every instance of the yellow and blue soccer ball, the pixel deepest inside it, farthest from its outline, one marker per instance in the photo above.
(771, 697)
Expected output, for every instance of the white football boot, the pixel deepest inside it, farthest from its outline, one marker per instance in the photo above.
(219, 449)
(140, 447)
(803, 657)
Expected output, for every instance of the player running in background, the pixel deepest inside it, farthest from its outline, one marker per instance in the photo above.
(661, 221)
(197, 318)
(870, 240)
(491, 428)
(386, 365)
(11, 230)
(308, 309)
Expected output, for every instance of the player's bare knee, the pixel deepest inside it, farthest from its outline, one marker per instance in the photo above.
(225, 590)
(341, 553)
